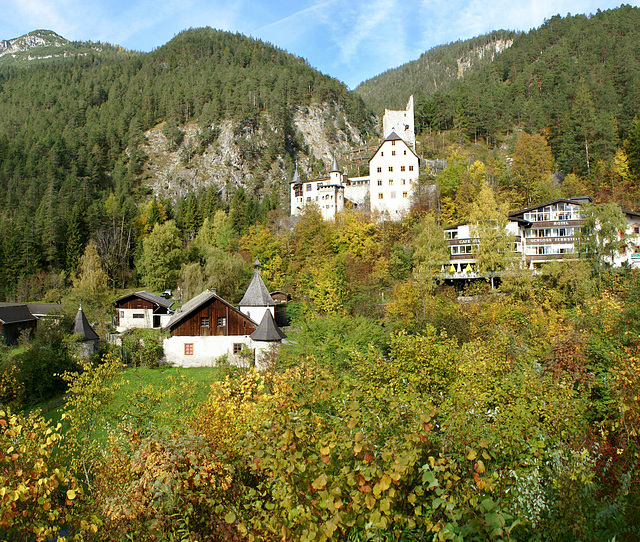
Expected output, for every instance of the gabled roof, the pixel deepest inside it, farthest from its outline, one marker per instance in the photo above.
(268, 330)
(257, 294)
(195, 303)
(14, 313)
(42, 309)
(394, 137)
(152, 298)
(82, 327)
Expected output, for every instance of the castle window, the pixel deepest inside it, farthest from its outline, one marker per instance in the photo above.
(380, 196)
(390, 168)
(381, 153)
(393, 195)
(402, 168)
(410, 168)
(405, 153)
(390, 182)
(393, 153)
(379, 182)
(404, 194)
(308, 199)
(308, 187)
(404, 181)
(393, 143)
(379, 169)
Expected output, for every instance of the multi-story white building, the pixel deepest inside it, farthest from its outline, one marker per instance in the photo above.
(393, 171)
(325, 192)
(546, 232)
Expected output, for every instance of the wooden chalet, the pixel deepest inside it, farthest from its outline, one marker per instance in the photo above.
(143, 310)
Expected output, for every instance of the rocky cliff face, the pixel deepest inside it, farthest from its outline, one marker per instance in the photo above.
(490, 49)
(37, 45)
(226, 163)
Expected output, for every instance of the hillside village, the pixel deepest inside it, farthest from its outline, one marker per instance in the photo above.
(240, 302)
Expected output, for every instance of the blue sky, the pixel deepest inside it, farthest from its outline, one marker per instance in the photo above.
(352, 40)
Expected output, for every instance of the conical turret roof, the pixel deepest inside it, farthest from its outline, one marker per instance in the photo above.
(82, 327)
(334, 166)
(268, 330)
(257, 294)
(296, 177)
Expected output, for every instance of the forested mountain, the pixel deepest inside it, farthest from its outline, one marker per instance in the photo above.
(435, 70)
(576, 80)
(74, 154)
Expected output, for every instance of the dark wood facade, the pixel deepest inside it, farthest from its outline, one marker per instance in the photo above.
(135, 303)
(214, 318)
(10, 332)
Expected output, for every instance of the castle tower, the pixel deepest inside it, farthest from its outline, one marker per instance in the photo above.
(402, 123)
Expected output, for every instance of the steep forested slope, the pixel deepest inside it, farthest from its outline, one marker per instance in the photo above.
(72, 131)
(435, 70)
(575, 79)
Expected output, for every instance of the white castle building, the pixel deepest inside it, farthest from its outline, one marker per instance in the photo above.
(393, 171)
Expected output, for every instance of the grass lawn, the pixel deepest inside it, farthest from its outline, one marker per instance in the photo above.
(153, 398)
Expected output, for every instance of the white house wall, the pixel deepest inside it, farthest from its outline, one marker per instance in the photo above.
(139, 318)
(256, 313)
(206, 350)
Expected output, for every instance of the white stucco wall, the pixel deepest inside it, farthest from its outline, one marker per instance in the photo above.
(206, 350)
(126, 319)
(256, 313)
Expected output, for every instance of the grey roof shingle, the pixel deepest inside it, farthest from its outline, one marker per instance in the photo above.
(257, 294)
(15, 313)
(296, 177)
(268, 330)
(82, 327)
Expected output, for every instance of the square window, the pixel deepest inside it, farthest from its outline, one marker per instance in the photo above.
(393, 143)
(237, 348)
(379, 169)
(379, 182)
(308, 198)
(390, 168)
(222, 321)
(380, 196)
(188, 349)
(404, 194)
(308, 187)
(390, 182)
(204, 321)
(410, 168)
